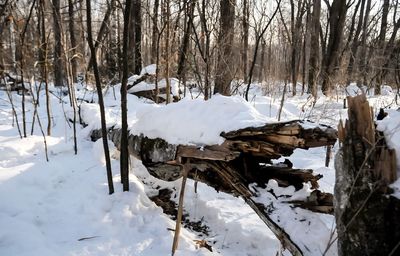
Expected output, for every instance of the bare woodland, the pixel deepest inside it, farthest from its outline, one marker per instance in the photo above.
(307, 42)
(216, 46)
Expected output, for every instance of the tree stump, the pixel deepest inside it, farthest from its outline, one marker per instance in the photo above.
(367, 217)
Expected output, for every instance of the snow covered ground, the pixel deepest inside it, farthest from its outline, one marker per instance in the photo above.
(62, 207)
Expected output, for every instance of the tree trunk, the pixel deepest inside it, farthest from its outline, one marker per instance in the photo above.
(355, 42)
(59, 75)
(262, 61)
(295, 29)
(104, 27)
(306, 50)
(71, 25)
(43, 52)
(100, 96)
(154, 36)
(124, 158)
(314, 53)
(245, 38)
(337, 18)
(135, 38)
(367, 216)
(167, 50)
(381, 44)
(224, 73)
(181, 73)
(363, 52)
(259, 37)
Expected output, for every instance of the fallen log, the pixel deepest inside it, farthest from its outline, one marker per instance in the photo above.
(244, 158)
(249, 146)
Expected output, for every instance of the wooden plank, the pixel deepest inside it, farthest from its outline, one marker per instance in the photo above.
(291, 141)
(210, 153)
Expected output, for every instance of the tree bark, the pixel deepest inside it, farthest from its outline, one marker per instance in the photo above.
(59, 74)
(367, 216)
(295, 29)
(363, 51)
(167, 50)
(181, 73)
(101, 101)
(43, 52)
(73, 41)
(337, 18)
(154, 36)
(355, 42)
(103, 30)
(381, 44)
(124, 158)
(245, 38)
(224, 73)
(135, 37)
(314, 53)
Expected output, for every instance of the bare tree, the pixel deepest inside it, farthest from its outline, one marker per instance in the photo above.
(381, 43)
(155, 32)
(59, 75)
(73, 41)
(314, 54)
(245, 37)
(337, 18)
(363, 51)
(224, 74)
(189, 9)
(295, 26)
(259, 36)
(101, 101)
(124, 158)
(135, 38)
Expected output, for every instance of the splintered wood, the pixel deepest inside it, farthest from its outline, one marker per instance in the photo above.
(362, 117)
(366, 211)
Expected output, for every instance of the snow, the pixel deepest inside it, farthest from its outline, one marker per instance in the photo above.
(390, 126)
(175, 123)
(62, 207)
(150, 69)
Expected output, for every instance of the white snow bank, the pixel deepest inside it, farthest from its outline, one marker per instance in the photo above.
(90, 113)
(197, 121)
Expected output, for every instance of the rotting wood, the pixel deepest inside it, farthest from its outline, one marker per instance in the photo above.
(367, 215)
(317, 201)
(216, 152)
(244, 158)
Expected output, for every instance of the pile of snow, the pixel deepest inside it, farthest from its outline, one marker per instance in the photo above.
(353, 90)
(197, 122)
(150, 69)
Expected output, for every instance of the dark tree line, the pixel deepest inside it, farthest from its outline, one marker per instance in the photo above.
(325, 43)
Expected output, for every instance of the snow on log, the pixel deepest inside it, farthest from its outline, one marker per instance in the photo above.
(242, 159)
(245, 148)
